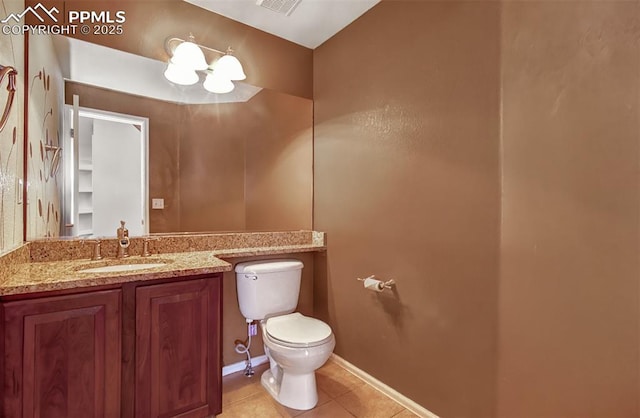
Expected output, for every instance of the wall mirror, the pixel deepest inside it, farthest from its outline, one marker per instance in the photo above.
(241, 162)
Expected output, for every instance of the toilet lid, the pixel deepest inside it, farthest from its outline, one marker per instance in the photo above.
(297, 328)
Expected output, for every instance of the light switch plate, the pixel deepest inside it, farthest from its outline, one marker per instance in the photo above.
(157, 203)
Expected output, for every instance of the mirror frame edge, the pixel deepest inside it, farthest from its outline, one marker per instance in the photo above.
(25, 137)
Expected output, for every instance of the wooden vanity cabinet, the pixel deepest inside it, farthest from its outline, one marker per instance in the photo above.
(62, 356)
(178, 366)
(143, 350)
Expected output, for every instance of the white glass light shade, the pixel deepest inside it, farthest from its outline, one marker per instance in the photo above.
(180, 75)
(230, 68)
(189, 55)
(215, 83)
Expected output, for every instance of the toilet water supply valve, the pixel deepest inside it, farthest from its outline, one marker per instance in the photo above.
(242, 347)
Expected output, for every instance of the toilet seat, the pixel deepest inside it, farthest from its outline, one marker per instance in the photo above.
(296, 330)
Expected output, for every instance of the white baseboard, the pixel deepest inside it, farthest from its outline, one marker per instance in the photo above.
(386, 390)
(239, 366)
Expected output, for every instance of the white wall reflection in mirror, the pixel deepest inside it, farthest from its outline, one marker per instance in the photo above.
(106, 173)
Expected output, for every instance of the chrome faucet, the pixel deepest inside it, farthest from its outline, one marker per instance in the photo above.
(97, 247)
(123, 241)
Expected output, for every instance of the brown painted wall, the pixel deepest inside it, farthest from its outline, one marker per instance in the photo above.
(407, 187)
(269, 61)
(569, 260)
(490, 166)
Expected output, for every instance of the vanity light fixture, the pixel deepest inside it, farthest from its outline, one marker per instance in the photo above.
(180, 75)
(217, 84)
(188, 57)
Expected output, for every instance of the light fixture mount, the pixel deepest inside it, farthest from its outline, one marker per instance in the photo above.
(188, 57)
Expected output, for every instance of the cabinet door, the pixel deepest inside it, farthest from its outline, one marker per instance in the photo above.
(62, 356)
(178, 366)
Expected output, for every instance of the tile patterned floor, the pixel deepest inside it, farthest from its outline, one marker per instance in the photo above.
(340, 395)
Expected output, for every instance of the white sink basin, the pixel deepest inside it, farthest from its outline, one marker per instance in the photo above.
(121, 268)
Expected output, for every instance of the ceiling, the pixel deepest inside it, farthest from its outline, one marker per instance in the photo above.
(310, 23)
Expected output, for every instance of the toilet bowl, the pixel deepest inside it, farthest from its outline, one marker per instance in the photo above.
(296, 345)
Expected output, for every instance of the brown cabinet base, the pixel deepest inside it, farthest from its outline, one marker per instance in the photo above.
(59, 355)
(137, 351)
(176, 346)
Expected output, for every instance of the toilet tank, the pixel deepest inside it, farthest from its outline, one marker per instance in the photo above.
(268, 288)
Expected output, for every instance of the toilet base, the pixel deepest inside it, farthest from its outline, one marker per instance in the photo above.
(297, 391)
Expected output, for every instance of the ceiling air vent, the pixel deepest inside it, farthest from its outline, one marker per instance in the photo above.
(285, 7)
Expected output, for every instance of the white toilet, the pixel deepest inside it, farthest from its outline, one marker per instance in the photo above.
(296, 345)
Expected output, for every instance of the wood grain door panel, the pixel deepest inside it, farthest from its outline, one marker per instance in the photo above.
(59, 353)
(177, 357)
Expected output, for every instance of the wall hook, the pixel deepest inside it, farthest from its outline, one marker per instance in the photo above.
(11, 88)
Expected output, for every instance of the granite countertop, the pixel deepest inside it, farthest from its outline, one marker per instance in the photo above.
(52, 270)
(60, 275)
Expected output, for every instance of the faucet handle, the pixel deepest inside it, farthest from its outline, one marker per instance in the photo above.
(122, 231)
(97, 249)
(145, 246)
